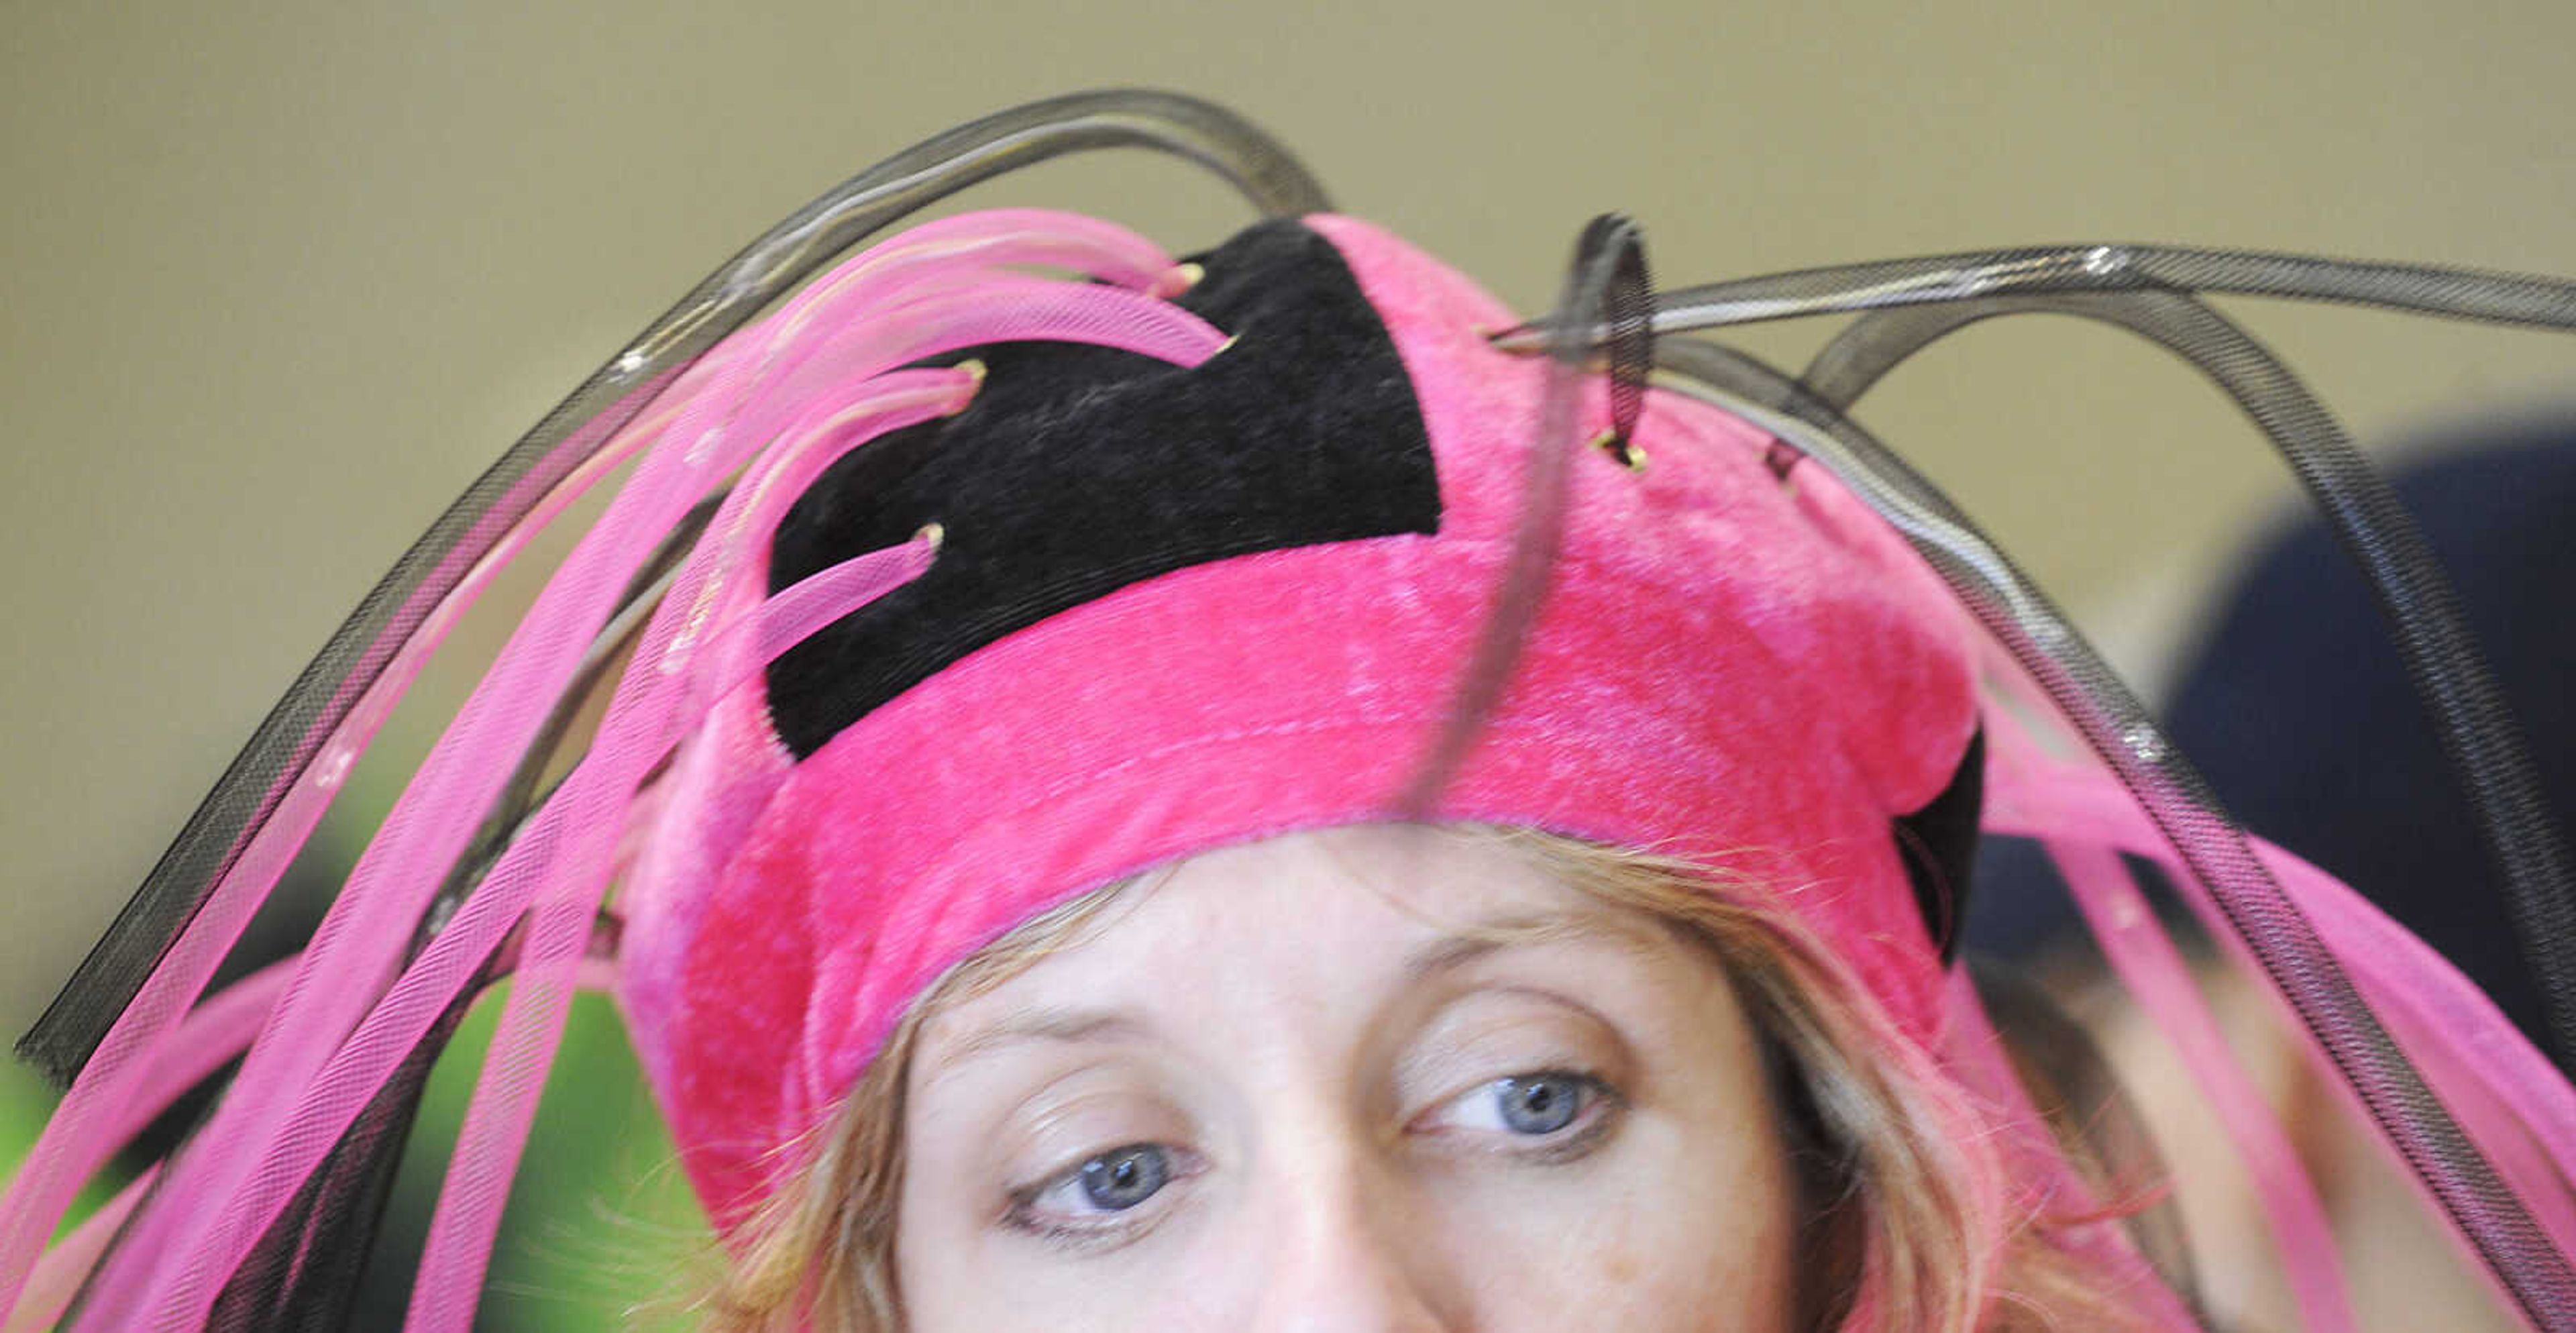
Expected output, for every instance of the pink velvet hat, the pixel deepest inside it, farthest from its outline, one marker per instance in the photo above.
(1180, 607)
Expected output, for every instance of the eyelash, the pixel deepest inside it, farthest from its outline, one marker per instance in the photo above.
(1594, 1119)
(1102, 1230)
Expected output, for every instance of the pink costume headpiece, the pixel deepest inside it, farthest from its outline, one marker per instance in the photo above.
(1186, 556)
(1724, 665)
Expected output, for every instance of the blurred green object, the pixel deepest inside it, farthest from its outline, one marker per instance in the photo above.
(25, 1100)
(602, 1232)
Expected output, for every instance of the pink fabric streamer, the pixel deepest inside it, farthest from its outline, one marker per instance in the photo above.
(2147, 962)
(416, 785)
(364, 718)
(2509, 1102)
(1973, 1053)
(2455, 1033)
(427, 829)
(213, 1034)
(278, 1130)
(57, 1279)
(49, 1177)
(478, 1184)
(2477, 1062)
(505, 1102)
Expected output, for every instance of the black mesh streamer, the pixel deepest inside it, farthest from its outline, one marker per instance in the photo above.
(2119, 730)
(304, 1272)
(2453, 293)
(307, 1269)
(287, 742)
(2442, 660)
(1605, 285)
(1629, 305)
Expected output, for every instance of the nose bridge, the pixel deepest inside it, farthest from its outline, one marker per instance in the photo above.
(1345, 1256)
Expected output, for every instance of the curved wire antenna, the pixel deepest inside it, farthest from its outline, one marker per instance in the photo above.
(2121, 732)
(298, 728)
(2450, 675)
(1606, 286)
(2430, 289)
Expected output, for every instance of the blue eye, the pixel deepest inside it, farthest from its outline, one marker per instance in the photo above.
(1122, 1178)
(1538, 1103)
(1548, 1109)
(1103, 1201)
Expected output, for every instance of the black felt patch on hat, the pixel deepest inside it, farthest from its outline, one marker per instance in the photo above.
(1079, 470)
(1938, 845)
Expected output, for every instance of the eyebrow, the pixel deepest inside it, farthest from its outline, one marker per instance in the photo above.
(1039, 1025)
(1475, 940)
(1483, 939)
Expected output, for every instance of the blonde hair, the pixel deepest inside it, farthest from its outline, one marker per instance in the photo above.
(1904, 1192)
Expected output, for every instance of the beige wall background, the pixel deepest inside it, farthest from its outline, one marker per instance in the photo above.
(279, 279)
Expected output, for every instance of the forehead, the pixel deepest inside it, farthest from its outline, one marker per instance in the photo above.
(1347, 912)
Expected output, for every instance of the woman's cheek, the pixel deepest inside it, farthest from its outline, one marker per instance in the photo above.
(992, 1280)
(1665, 1230)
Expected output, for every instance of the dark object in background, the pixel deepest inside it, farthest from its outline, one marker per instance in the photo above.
(2297, 710)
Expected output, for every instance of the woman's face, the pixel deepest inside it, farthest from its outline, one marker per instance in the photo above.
(1374, 1079)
